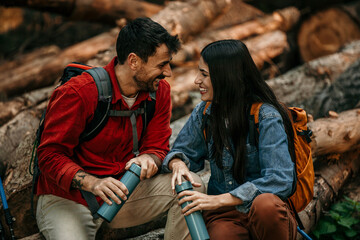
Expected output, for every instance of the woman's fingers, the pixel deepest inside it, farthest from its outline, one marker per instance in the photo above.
(178, 179)
(189, 209)
(196, 201)
(173, 182)
(188, 176)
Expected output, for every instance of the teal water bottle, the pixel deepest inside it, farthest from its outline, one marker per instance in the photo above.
(194, 221)
(130, 179)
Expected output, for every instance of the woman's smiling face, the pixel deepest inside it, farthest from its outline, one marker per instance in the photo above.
(204, 82)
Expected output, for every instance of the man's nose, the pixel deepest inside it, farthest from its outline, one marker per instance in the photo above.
(167, 71)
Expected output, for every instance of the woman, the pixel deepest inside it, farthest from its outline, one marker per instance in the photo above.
(248, 184)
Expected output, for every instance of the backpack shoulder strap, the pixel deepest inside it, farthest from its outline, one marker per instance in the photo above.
(255, 108)
(149, 107)
(254, 124)
(299, 118)
(103, 84)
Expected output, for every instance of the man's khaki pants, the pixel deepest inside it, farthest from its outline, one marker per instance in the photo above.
(59, 218)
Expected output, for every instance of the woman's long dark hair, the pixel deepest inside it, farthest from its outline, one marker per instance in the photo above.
(237, 83)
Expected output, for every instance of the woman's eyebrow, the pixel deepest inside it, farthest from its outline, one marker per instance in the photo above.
(202, 70)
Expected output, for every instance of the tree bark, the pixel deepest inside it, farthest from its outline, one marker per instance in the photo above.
(235, 13)
(283, 20)
(10, 19)
(265, 47)
(43, 71)
(189, 18)
(303, 82)
(329, 179)
(91, 10)
(325, 33)
(337, 134)
(13, 132)
(341, 95)
(11, 108)
(39, 53)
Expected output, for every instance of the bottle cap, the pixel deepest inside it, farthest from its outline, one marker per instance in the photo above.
(184, 186)
(135, 169)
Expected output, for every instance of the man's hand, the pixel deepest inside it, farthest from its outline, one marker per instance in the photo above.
(102, 187)
(149, 164)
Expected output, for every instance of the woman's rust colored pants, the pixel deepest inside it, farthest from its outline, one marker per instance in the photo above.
(269, 218)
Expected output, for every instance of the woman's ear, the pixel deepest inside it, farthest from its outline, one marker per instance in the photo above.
(133, 61)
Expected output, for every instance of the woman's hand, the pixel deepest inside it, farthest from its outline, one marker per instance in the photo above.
(199, 201)
(180, 170)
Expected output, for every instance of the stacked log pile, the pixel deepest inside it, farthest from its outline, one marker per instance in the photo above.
(326, 83)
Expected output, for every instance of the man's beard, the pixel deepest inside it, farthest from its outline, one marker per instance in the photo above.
(147, 86)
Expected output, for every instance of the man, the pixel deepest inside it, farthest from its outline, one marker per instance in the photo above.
(144, 50)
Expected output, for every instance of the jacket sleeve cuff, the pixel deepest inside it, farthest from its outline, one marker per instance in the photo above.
(172, 155)
(66, 176)
(247, 192)
(159, 154)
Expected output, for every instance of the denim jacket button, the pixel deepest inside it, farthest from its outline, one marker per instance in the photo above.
(230, 182)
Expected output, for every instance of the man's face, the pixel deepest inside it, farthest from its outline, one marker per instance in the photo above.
(157, 67)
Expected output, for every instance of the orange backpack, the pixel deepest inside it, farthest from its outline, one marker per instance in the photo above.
(304, 165)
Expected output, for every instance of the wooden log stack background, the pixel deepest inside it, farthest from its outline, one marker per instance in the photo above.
(308, 52)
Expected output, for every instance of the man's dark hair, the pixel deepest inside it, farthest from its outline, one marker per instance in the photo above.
(142, 36)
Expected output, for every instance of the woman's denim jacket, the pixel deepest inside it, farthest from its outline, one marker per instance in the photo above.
(269, 167)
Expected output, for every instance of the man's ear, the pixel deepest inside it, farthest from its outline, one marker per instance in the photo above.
(133, 61)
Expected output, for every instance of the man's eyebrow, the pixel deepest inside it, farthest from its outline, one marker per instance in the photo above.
(165, 62)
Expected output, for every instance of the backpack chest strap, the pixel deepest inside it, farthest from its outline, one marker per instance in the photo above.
(132, 114)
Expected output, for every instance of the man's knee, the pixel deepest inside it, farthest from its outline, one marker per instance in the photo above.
(197, 179)
(59, 218)
(163, 182)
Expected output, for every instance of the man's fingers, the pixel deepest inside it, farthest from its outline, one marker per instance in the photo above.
(105, 198)
(151, 170)
(121, 186)
(128, 164)
(119, 193)
(144, 169)
(110, 187)
(112, 195)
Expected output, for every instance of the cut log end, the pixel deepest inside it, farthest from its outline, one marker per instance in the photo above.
(325, 33)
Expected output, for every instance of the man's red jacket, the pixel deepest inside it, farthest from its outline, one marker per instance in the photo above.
(70, 108)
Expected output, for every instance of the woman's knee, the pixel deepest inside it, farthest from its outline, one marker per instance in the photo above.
(227, 230)
(266, 204)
